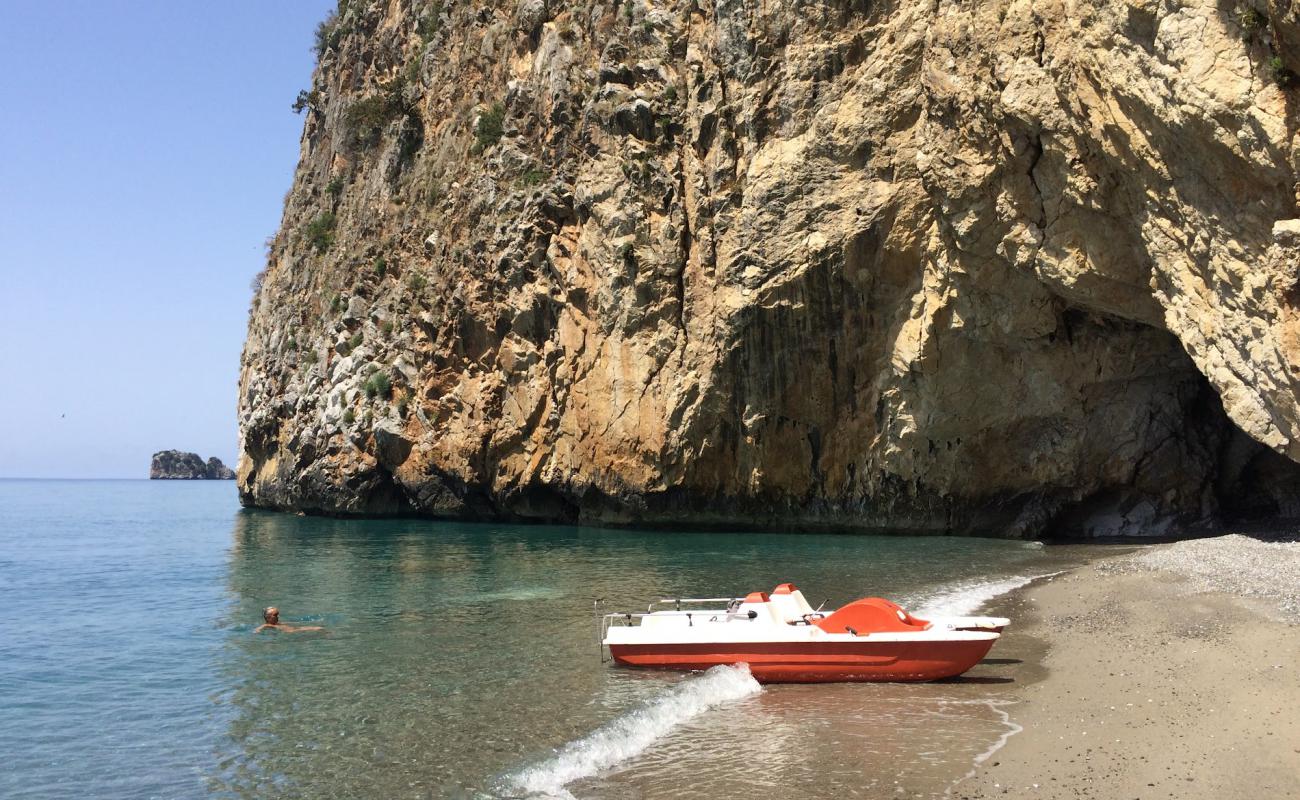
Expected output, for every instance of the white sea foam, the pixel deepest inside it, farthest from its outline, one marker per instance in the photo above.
(629, 734)
(967, 598)
(1012, 728)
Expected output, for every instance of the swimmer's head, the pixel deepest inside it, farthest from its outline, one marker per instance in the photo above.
(271, 615)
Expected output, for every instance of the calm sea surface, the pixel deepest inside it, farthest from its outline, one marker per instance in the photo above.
(458, 660)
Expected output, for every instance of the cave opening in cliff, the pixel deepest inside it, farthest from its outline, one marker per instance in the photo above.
(1199, 476)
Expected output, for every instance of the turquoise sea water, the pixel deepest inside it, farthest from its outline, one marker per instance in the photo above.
(458, 660)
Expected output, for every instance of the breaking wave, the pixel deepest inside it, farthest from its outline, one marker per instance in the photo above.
(967, 598)
(629, 734)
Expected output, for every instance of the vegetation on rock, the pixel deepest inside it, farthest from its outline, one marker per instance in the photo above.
(306, 100)
(366, 119)
(1281, 75)
(489, 128)
(320, 231)
(430, 23)
(328, 33)
(1251, 21)
(378, 385)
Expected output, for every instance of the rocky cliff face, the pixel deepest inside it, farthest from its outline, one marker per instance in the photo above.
(998, 266)
(177, 465)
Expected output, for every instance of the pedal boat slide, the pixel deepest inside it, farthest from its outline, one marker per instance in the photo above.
(784, 640)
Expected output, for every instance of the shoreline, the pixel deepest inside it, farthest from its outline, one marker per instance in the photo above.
(1170, 671)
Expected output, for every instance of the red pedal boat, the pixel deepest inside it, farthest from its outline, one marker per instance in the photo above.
(784, 640)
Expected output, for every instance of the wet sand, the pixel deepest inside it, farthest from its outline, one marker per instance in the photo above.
(1170, 673)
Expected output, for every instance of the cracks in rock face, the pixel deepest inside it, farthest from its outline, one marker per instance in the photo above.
(687, 241)
(1036, 155)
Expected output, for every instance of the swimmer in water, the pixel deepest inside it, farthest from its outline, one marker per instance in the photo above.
(272, 617)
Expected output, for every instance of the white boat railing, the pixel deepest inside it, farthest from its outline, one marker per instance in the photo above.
(711, 612)
(683, 613)
(678, 601)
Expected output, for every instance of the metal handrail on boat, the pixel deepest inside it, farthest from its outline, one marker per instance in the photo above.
(663, 601)
(609, 620)
(629, 616)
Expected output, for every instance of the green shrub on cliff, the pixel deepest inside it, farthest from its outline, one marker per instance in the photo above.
(328, 34)
(489, 128)
(378, 385)
(411, 73)
(256, 283)
(366, 119)
(1250, 21)
(320, 231)
(349, 417)
(306, 100)
(1281, 75)
(430, 23)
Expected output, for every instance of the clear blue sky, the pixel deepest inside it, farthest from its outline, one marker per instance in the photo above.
(145, 149)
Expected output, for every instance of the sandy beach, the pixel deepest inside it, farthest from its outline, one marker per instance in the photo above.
(1170, 672)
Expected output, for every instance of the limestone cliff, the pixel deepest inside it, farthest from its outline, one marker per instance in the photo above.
(1003, 266)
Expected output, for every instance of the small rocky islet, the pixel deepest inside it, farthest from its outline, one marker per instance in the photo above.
(181, 466)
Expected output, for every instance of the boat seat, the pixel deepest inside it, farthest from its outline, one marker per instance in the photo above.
(790, 604)
(872, 615)
(760, 604)
(905, 615)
